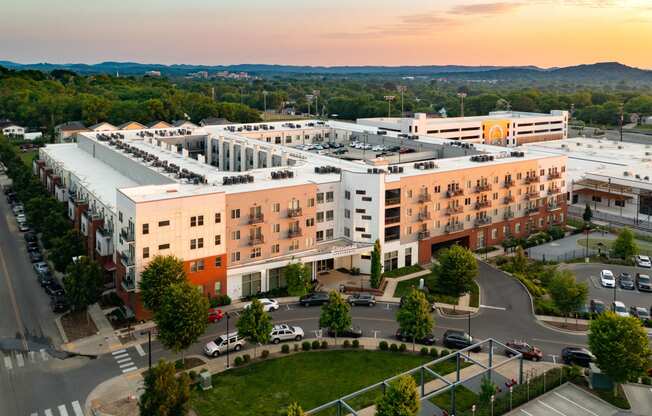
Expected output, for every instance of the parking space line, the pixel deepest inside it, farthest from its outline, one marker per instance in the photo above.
(576, 404)
(551, 408)
(62, 410)
(48, 412)
(76, 407)
(498, 308)
(527, 413)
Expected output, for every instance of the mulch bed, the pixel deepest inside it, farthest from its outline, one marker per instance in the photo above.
(456, 312)
(78, 325)
(191, 362)
(569, 326)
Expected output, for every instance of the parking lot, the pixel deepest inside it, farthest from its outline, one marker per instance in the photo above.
(566, 400)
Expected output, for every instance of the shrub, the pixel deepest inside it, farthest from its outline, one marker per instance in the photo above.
(434, 353)
(383, 346)
(556, 233)
(238, 361)
(346, 344)
(193, 375)
(296, 347)
(315, 345)
(305, 345)
(220, 300)
(324, 345)
(444, 353)
(285, 349)
(264, 354)
(424, 350)
(393, 347)
(646, 380)
(355, 343)
(178, 364)
(402, 348)
(246, 358)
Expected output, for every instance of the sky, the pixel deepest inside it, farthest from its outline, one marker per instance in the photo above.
(545, 33)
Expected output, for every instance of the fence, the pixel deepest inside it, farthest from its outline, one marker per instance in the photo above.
(567, 255)
(643, 223)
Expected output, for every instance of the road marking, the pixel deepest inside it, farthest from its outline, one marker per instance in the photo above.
(32, 356)
(34, 414)
(123, 360)
(127, 370)
(20, 360)
(62, 410)
(130, 363)
(140, 350)
(8, 363)
(117, 357)
(12, 298)
(552, 408)
(122, 351)
(498, 308)
(44, 355)
(576, 404)
(77, 409)
(554, 358)
(387, 306)
(527, 413)
(48, 412)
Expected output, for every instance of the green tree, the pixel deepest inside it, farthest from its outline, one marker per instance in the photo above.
(487, 389)
(400, 398)
(625, 246)
(164, 393)
(566, 293)
(519, 261)
(455, 271)
(588, 214)
(294, 410)
(620, 345)
(181, 316)
(255, 324)
(414, 316)
(83, 283)
(335, 315)
(376, 267)
(298, 279)
(66, 247)
(160, 273)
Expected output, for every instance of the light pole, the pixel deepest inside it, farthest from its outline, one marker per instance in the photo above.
(309, 98)
(511, 389)
(402, 89)
(462, 96)
(265, 103)
(228, 317)
(622, 120)
(389, 99)
(316, 94)
(149, 346)
(492, 404)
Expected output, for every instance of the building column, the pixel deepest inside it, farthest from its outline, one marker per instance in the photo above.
(231, 156)
(255, 156)
(284, 159)
(243, 158)
(269, 158)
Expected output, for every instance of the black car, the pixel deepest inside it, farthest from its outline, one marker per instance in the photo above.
(577, 355)
(35, 256)
(30, 236)
(643, 282)
(54, 289)
(427, 340)
(45, 278)
(352, 332)
(33, 246)
(59, 304)
(314, 299)
(459, 340)
(597, 306)
(626, 281)
(362, 299)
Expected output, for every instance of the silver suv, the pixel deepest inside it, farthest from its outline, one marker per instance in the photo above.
(284, 332)
(220, 344)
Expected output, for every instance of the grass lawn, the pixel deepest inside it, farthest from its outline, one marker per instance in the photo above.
(403, 288)
(27, 157)
(464, 399)
(644, 247)
(311, 379)
(403, 271)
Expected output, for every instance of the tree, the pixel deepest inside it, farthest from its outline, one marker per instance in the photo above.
(181, 316)
(255, 324)
(298, 279)
(83, 283)
(294, 410)
(625, 246)
(414, 316)
(335, 314)
(400, 398)
(567, 294)
(376, 267)
(487, 389)
(456, 270)
(620, 346)
(164, 393)
(519, 261)
(588, 214)
(64, 248)
(158, 275)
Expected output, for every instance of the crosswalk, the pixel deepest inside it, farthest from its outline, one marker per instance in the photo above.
(11, 361)
(124, 361)
(62, 410)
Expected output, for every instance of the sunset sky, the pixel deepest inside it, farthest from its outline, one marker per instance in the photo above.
(334, 32)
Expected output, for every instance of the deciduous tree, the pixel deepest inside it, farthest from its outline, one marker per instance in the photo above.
(588, 214)
(64, 248)
(400, 398)
(255, 324)
(625, 246)
(298, 279)
(165, 394)
(83, 283)
(455, 271)
(376, 267)
(414, 316)
(294, 410)
(335, 315)
(567, 294)
(160, 273)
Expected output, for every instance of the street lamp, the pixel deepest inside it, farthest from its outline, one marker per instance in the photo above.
(492, 404)
(389, 99)
(149, 345)
(228, 317)
(462, 96)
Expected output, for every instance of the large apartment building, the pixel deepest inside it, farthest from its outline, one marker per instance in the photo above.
(237, 203)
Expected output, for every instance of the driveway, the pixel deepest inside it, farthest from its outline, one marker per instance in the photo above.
(565, 248)
(640, 398)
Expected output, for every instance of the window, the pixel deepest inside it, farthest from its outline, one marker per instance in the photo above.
(320, 197)
(218, 218)
(347, 213)
(164, 246)
(329, 215)
(250, 284)
(235, 256)
(619, 203)
(276, 278)
(360, 210)
(347, 232)
(329, 234)
(235, 235)
(517, 228)
(164, 223)
(193, 244)
(360, 192)
(145, 252)
(360, 229)
(193, 221)
(200, 265)
(193, 266)
(365, 235)
(437, 189)
(218, 261)
(320, 217)
(255, 253)
(494, 234)
(310, 222)
(145, 228)
(330, 197)
(320, 236)
(235, 213)
(311, 202)
(120, 216)
(391, 260)
(218, 287)
(347, 194)
(366, 217)
(276, 207)
(276, 228)
(294, 245)
(200, 220)
(218, 240)
(276, 249)
(200, 243)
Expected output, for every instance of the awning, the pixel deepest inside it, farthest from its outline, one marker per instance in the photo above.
(109, 265)
(603, 194)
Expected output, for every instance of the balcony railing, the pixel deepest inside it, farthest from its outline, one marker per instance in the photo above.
(554, 175)
(105, 231)
(482, 204)
(552, 191)
(393, 200)
(531, 179)
(424, 234)
(508, 199)
(532, 195)
(454, 210)
(454, 192)
(294, 212)
(129, 281)
(480, 221)
(483, 188)
(508, 215)
(423, 216)
(126, 259)
(453, 227)
(127, 235)
(392, 237)
(256, 219)
(509, 183)
(553, 207)
(425, 197)
(295, 232)
(392, 220)
(256, 240)
(531, 210)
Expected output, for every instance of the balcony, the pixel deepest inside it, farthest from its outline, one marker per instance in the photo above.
(553, 191)
(480, 221)
(482, 204)
(393, 200)
(509, 183)
(256, 219)
(256, 240)
(532, 210)
(295, 232)
(126, 259)
(454, 192)
(531, 195)
(508, 199)
(453, 227)
(392, 220)
(129, 281)
(454, 210)
(127, 235)
(531, 179)
(294, 212)
(424, 234)
(554, 175)
(423, 216)
(483, 188)
(508, 215)
(425, 197)
(553, 207)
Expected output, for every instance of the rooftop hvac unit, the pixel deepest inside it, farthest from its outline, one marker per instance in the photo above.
(625, 173)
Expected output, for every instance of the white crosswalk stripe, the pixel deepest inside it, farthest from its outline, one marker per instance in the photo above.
(124, 360)
(140, 350)
(16, 360)
(77, 409)
(62, 410)
(48, 412)
(19, 360)
(130, 369)
(118, 352)
(8, 364)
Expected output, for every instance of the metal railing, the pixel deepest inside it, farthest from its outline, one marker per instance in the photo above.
(531, 179)
(392, 220)
(256, 219)
(425, 197)
(509, 183)
(256, 240)
(127, 234)
(483, 188)
(452, 227)
(294, 212)
(454, 210)
(424, 234)
(454, 192)
(509, 199)
(482, 204)
(393, 201)
(480, 221)
(295, 232)
(423, 216)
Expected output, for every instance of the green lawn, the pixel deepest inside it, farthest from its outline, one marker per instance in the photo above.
(27, 157)
(403, 271)
(464, 399)
(403, 288)
(645, 247)
(311, 379)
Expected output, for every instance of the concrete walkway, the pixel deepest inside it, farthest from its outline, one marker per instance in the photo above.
(640, 398)
(566, 248)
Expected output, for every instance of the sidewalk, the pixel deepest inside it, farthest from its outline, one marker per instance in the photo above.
(105, 341)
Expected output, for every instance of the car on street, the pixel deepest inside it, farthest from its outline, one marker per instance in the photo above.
(641, 313)
(528, 351)
(231, 341)
(458, 339)
(626, 281)
(122, 314)
(30, 236)
(41, 267)
(427, 340)
(215, 315)
(54, 289)
(597, 306)
(45, 279)
(285, 332)
(351, 332)
(59, 304)
(269, 305)
(643, 282)
(21, 218)
(619, 308)
(23, 227)
(577, 355)
(314, 299)
(362, 299)
(643, 261)
(607, 279)
(35, 256)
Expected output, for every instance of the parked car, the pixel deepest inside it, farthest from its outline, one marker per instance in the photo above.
(528, 351)
(351, 332)
(54, 289)
(643, 282)
(619, 308)
(35, 256)
(215, 315)
(427, 340)
(626, 281)
(459, 339)
(640, 313)
(23, 227)
(59, 304)
(597, 306)
(30, 236)
(285, 332)
(231, 341)
(18, 209)
(577, 355)
(121, 314)
(21, 218)
(643, 261)
(607, 279)
(33, 246)
(362, 299)
(45, 278)
(314, 299)
(41, 267)
(269, 305)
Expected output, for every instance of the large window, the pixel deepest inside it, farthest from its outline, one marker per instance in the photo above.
(391, 261)
(250, 284)
(277, 278)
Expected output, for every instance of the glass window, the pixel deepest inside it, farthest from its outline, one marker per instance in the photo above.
(193, 221)
(218, 261)
(164, 246)
(164, 223)
(145, 252)
(330, 197)
(218, 218)
(235, 213)
(200, 220)
(277, 278)
(193, 244)
(200, 243)
(218, 240)
(276, 249)
(320, 197)
(276, 207)
(250, 284)
(218, 287)
(145, 228)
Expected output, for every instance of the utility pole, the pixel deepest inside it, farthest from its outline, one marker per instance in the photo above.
(622, 120)
(462, 95)
(402, 89)
(316, 94)
(389, 99)
(309, 98)
(265, 104)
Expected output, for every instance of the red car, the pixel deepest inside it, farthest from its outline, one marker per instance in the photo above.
(215, 315)
(529, 352)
